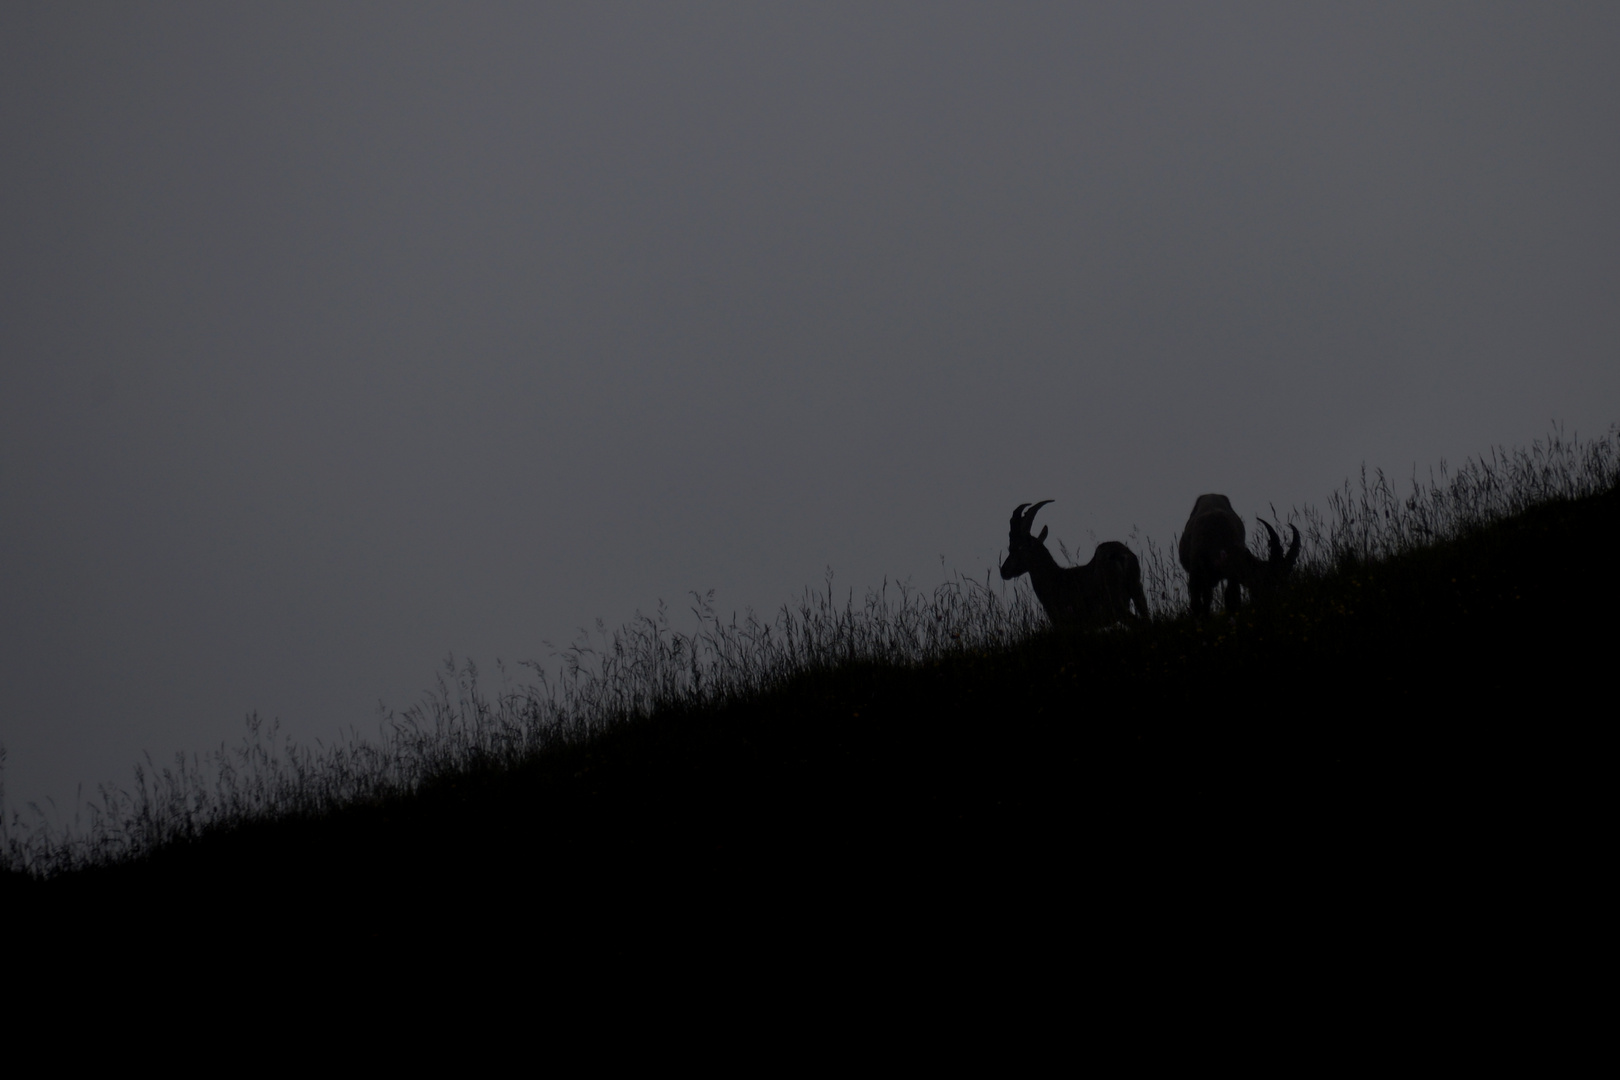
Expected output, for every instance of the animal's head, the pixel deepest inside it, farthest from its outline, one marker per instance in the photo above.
(1020, 544)
(1277, 565)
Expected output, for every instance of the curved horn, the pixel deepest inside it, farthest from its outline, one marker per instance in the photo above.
(1293, 549)
(1276, 553)
(1034, 510)
(1018, 518)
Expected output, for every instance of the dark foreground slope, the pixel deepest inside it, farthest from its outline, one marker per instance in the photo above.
(1406, 744)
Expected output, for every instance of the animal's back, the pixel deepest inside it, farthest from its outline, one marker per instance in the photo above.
(1213, 534)
(1209, 503)
(1118, 573)
(1114, 553)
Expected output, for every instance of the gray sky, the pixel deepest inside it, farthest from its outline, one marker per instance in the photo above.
(334, 338)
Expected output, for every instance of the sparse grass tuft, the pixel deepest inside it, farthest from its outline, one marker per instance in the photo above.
(1372, 521)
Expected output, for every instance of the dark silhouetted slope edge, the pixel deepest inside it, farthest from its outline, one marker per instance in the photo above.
(1408, 749)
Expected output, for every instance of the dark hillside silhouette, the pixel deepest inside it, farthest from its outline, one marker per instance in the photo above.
(1425, 723)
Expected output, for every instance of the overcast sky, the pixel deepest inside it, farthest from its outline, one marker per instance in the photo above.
(335, 337)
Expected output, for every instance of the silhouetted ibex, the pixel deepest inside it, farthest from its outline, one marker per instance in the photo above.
(1099, 593)
(1213, 549)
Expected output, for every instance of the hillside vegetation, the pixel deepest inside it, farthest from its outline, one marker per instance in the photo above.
(1427, 696)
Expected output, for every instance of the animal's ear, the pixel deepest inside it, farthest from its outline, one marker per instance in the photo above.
(1042, 537)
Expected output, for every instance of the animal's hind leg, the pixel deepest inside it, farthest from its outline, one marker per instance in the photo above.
(1234, 596)
(1201, 591)
(1133, 589)
(1139, 598)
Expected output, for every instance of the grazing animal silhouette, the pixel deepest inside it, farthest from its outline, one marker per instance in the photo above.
(1213, 549)
(1099, 593)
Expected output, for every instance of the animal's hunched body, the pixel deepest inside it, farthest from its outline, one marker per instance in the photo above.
(1213, 550)
(1099, 593)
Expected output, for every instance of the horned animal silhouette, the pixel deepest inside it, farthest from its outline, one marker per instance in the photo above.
(1099, 593)
(1213, 549)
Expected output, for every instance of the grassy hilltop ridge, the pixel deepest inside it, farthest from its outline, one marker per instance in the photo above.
(1423, 713)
